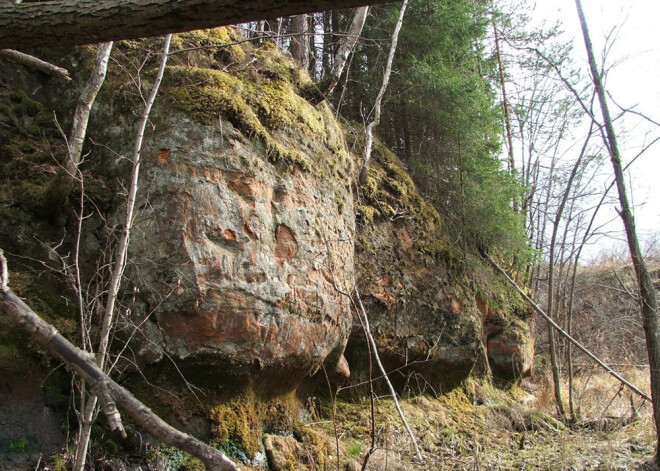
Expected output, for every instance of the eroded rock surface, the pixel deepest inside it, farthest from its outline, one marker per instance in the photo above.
(509, 341)
(422, 300)
(235, 258)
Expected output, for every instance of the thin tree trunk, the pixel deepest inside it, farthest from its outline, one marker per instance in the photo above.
(569, 329)
(649, 309)
(103, 385)
(119, 266)
(326, 53)
(381, 93)
(551, 277)
(57, 193)
(346, 46)
(505, 105)
(84, 108)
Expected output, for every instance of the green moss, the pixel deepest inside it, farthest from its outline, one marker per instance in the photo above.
(191, 463)
(281, 108)
(239, 424)
(318, 450)
(436, 248)
(46, 296)
(223, 37)
(24, 105)
(205, 94)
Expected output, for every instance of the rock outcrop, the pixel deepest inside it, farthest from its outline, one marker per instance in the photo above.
(231, 261)
(246, 230)
(249, 234)
(425, 303)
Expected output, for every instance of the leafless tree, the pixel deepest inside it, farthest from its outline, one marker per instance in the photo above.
(375, 116)
(645, 284)
(88, 409)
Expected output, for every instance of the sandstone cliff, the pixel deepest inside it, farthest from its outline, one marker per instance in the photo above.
(250, 229)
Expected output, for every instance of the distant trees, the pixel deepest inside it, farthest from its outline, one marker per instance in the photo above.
(547, 109)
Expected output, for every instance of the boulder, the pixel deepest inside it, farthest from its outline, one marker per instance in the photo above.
(239, 249)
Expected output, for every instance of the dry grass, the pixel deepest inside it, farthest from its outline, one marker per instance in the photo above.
(479, 427)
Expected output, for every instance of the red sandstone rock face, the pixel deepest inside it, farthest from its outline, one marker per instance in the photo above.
(509, 343)
(233, 261)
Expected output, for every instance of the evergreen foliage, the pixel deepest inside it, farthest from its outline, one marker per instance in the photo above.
(440, 116)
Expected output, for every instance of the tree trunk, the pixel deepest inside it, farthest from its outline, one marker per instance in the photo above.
(551, 277)
(57, 193)
(364, 319)
(505, 104)
(107, 323)
(346, 46)
(299, 41)
(649, 306)
(381, 93)
(70, 22)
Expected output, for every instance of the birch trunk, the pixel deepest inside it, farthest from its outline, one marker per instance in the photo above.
(381, 93)
(58, 192)
(107, 324)
(346, 46)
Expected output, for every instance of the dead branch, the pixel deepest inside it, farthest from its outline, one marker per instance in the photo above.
(562, 332)
(365, 320)
(109, 392)
(34, 63)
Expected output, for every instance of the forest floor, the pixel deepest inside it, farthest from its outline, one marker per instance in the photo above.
(473, 427)
(480, 427)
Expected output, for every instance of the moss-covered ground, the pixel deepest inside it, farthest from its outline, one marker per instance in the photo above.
(473, 427)
(480, 427)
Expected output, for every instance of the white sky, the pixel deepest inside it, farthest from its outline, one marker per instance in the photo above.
(634, 81)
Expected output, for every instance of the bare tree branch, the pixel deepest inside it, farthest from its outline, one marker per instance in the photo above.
(34, 63)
